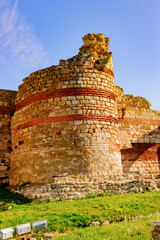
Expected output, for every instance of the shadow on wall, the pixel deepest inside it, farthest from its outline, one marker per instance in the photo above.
(144, 156)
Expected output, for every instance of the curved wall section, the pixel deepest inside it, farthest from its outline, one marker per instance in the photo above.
(66, 121)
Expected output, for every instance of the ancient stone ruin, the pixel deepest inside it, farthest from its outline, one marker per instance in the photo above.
(70, 131)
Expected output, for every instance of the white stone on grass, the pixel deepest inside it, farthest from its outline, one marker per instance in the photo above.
(23, 228)
(6, 233)
(39, 225)
(95, 224)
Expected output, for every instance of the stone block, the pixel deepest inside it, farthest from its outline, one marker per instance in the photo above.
(2, 174)
(6, 233)
(95, 224)
(157, 223)
(49, 235)
(23, 228)
(3, 168)
(39, 225)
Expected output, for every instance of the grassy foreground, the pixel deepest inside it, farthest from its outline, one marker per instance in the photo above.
(70, 215)
(135, 230)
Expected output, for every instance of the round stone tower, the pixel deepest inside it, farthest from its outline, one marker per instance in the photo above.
(65, 121)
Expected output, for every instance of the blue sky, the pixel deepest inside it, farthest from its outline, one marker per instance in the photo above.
(38, 33)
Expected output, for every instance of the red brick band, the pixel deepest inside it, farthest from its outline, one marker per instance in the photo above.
(141, 152)
(64, 93)
(142, 121)
(67, 118)
(6, 110)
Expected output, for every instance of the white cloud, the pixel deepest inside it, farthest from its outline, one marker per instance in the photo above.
(19, 46)
(12, 15)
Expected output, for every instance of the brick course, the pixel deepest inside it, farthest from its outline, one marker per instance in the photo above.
(65, 93)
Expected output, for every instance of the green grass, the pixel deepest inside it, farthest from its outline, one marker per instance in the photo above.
(65, 216)
(135, 230)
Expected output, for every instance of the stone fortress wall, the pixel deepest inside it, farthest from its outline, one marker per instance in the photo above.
(139, 131)
(71, 125)
(7, 107)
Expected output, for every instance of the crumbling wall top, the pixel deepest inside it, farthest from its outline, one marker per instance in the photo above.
(95, 42)
(93, 54)
(130, 101)
(129, 105)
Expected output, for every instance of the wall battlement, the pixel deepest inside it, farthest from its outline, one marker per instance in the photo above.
(71, 121)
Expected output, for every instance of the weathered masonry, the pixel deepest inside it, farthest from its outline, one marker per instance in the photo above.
(65, 122)
(139, 131)
(7, 106)
(71, 121)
